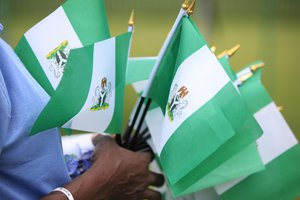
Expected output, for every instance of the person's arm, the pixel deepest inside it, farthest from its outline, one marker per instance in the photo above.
(116, 174)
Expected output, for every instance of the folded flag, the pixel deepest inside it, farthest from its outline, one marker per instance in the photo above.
(138, 72)
(207, 194)
(45, 48)
(139, 69)
(224, 60)
(90, 96)
(205, 121)
(278, 148)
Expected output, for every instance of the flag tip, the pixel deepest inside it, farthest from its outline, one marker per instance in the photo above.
(223, 53)
(233, 50)
(191, 8)
(213, 49)
(229, 52)
(245, 77)
(131, 18)
(257, 66)
(185, 4)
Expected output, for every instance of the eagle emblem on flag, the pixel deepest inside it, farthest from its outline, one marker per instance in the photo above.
(176, 102)
(58, 59)
(102, 95)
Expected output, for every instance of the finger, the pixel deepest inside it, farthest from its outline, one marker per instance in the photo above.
(147, 155)
(151, 195)
(156, 179)
(96, 138)
(104, 140)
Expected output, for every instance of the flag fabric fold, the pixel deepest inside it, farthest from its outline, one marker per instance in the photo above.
(278, 149)
(44, 49)
(139, 69)
(90, 96)
(205, 121)
(224, 60)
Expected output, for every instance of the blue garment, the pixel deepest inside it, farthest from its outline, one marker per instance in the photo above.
(30, 166)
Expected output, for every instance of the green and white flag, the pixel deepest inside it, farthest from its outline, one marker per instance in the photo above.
(45, 48)
(224, 60)
(207, 194)
(139, 69)
(206, 122)
(90, 96)
(278, 149)
(243, 164)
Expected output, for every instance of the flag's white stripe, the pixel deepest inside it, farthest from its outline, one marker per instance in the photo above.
(139, 86)
(103, 66)
(49, 34)
(276, 139)
(203, 76)
(154, 119)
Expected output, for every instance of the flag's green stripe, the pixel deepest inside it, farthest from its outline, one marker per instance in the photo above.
(255, 94)
(224, 153)
(226, 66)
(28, 58)
(88, 19)
(185, 42)
(279, 181)
(243, 164)
(190, 41)
(215, 122)
(164, 76)
(200, 35)
(122, 44)
(71, 93)
(139, 69)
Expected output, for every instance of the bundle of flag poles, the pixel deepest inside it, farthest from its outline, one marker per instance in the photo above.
(215, 133)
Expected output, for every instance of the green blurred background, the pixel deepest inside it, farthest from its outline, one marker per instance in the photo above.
(268, 30)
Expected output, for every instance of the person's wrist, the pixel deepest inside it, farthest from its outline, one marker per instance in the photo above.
(89, 185)
(65, 192)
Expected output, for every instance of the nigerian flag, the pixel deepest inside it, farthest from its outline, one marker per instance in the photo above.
(90, 96)
(139, 69)
(224, 60)
(278, 148)
(44, 49)
(205, 122)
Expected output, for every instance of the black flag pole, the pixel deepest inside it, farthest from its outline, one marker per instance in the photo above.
(185, 10)
(136, 133)
(122, 139)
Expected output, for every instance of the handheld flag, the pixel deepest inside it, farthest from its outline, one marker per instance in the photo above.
(224, 60)
(278, 148)
(45, 48)
(91, 94)
(204, 115)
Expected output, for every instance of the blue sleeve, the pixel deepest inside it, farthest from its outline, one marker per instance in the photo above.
(5, 110)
